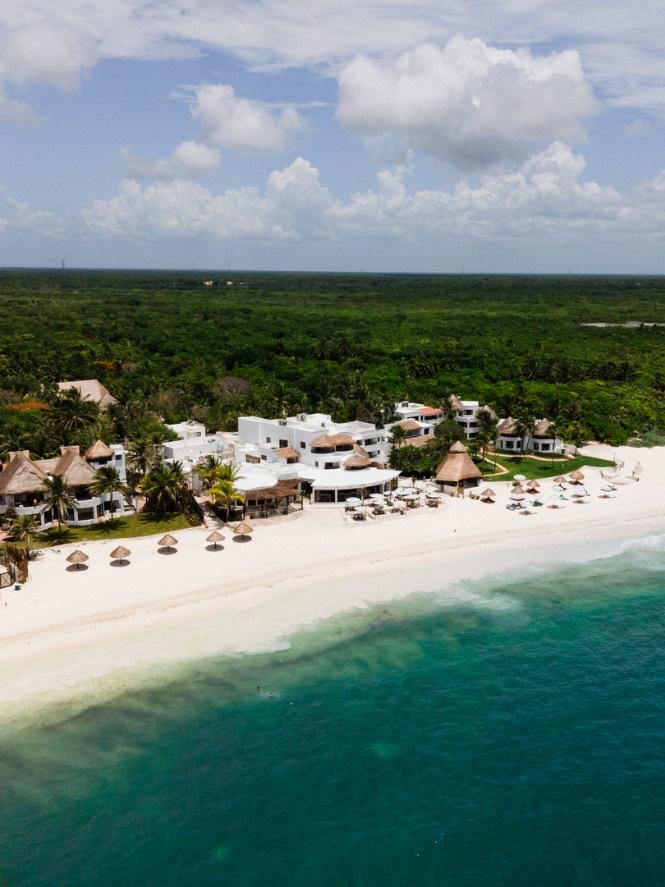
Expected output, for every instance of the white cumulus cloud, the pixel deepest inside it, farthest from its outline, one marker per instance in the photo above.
(244, 124)
(467, 102)
(188, 161)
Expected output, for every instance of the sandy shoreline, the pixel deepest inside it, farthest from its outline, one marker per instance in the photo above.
(67, 631)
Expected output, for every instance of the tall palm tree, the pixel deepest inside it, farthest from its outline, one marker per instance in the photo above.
(524, 425)
(22, 527)
(72, 413)
(107, 481)
(209, 470)
(59, 497)
(141, 457)
(165, 487)
(225, 491)
(397, 436)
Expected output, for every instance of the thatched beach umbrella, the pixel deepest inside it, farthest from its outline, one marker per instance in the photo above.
(576, 477)
(167, 543)
(487, 495)
(215, 537)
(77, 558)
(243, 530)
(119, 555)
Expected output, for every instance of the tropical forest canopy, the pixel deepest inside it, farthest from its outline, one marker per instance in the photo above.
(169, 348)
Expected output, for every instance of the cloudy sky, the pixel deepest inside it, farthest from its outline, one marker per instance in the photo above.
(394, 135)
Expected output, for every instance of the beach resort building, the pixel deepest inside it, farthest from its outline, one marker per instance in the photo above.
(541, 439)
(90, 389)
(458, 471)
(420, 412)
(23, 491)
(416, 434)
(192, 444)
(466, 412)
(333, 460)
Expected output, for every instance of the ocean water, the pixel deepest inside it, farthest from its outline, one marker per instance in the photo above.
(518, 739)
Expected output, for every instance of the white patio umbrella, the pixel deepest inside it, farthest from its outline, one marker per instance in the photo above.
(519, 477)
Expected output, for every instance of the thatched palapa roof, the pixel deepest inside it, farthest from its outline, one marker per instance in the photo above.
(454, 403)
(356, 462)
(509, 427)
(457, 466)
(287, 453)
(486, 408)
(74, 469)
(90, 389)
(98, 450)
(21, 475)
(543, 428)
(120, 553)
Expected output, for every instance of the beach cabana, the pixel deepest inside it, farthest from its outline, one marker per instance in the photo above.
(77, 559)
(167, 544)
(119, 556)
(215, 538)
(243, 531)
(458, 471)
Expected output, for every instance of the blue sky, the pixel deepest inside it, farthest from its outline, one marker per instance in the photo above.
(484, 135)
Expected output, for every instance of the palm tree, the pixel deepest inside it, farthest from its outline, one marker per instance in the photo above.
(225, 491)
(165, 487)
(487, 429)
(59, 497)
(524, 425)
(141, 457)
(72, 413)
(209, 470)
(397, 436)
(107, 481)
(22, 526)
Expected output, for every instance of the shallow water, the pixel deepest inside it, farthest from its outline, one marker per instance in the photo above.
(515, 738)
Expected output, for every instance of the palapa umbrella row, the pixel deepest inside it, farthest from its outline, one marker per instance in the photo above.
(168, 542)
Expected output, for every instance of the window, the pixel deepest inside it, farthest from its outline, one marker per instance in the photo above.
(302, 445)
(263, 458)
(267, 440)
(283, 443)
(544, 447)
(316, 464)
(329, 465)
(508, 444)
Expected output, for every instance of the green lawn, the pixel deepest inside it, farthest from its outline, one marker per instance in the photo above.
(119, 528)
(535, 468)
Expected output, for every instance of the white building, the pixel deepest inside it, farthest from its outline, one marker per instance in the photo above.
(542, 439)
(194, 444)
(23, 492)
(337, 459)
(465, 413)
(416, 433)
(420, 412)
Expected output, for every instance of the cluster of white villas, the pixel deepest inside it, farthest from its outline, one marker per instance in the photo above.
(333, 460)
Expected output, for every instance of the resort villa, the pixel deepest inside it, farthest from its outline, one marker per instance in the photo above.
(89, 389)
(193, 443)
(405, 409)
(22, 488)
(335, 460)
(541, 439)
(466, 412)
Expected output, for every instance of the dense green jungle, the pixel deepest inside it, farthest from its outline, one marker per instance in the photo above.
(169, 347)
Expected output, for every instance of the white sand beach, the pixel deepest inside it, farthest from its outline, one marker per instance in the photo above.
(65, 633)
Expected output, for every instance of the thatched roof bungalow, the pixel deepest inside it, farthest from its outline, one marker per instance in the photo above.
(458, 471)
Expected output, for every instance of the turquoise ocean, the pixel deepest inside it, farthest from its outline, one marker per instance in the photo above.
(517, 738)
